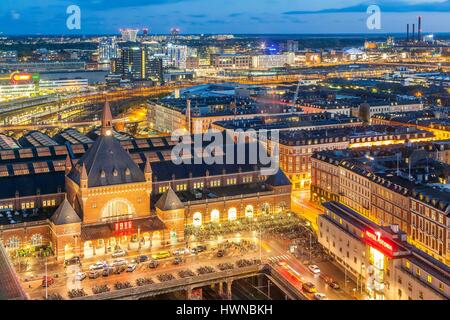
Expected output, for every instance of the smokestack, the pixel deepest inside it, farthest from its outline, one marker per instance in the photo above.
(407, 32)
(413, 31)
(419, 29)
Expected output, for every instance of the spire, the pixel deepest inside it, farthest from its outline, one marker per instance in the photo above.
(84, 175)
(147, 170)
(106, 120)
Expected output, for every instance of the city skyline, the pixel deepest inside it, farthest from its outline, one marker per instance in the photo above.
(197, 17)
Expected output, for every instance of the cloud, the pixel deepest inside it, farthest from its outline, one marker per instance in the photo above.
(15, 15)
(385, 6)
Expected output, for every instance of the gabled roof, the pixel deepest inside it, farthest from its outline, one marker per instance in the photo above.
(65, 214)
(278, 179)
(107, 163)
(169, 201)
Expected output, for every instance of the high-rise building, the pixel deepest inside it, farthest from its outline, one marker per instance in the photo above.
(292, 46)
(129, 35)
(135, 63)
(177, 55)
(108, 50)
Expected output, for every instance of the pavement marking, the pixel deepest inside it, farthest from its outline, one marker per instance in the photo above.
(279, 258)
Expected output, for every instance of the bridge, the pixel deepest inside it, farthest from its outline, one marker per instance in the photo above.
(222, 279)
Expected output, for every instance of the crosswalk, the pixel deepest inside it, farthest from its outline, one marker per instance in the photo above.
(279, 258)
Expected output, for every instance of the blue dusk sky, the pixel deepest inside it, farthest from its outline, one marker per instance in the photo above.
(221, 16)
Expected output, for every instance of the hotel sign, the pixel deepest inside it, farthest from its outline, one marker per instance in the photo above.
(375, 240)
(123, 227)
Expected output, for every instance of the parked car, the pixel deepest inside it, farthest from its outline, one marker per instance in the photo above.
(178, 260)
(220, 253)
(131, 267)
(80, 276)
(320, 296)
(309, 287)
(72, 261)
(121, 268)
(153, 264)
(181, 251)
(330, 281)
(119, 262)
(94, 274)
(314, 268)
(47, 281)
(161, 255)
(119, 253)
(97, 266)
(142, 258)
(201, 248)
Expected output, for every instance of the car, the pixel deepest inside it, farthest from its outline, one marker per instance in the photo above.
(119, 262)
(47, 281)
(201, 248)
(97, 266)
(153, 264)
(72, 261)
(334, 285)
(314, 269)
(80, 276)
(220, 253)
(161, 255)
(94, 274)
(178, 260)
(181, 251)
(193, 250)
(119, 253)
(131, 267)
(320, 296)
(309, 287)
(120, 269)
(142, 258)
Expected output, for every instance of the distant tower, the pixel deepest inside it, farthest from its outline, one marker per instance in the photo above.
(174, 33)
(129, 35)
(419, 29)
(106, 129)
(413, 32)
(145, 31)
(407, 32)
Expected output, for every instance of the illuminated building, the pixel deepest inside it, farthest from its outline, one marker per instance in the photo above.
(129, 35)
(92, 198)
(272, 61)
(108, 49)
(178, 55)
(379, 259)
(231, 61)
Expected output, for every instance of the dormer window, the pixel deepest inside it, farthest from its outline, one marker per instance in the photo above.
(115, 173)
(127, 172)
(103, 174)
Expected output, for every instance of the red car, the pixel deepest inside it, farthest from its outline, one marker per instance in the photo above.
(47, 281)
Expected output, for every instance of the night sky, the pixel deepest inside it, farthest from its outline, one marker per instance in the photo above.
(224, 16)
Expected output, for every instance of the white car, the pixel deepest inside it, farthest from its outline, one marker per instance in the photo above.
(131, 267)
(119, 253)
(119, 262)
(97, 266)
(181, 251)
(320, 296)
(80, 276)
(314, 269)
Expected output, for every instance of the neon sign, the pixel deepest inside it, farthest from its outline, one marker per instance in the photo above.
(18, 77)
(375, 240)
(123, 226)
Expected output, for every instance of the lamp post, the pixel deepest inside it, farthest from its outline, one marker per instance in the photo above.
(46, 280)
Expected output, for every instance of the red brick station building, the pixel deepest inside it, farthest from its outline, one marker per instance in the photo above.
(90, 197)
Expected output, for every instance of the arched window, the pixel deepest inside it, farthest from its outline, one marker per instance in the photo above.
(249, 211)
(232, 214)
(215, 216)
(14, 243)
(36, 240)
(197, 219)
(265, 208)
(118, 209)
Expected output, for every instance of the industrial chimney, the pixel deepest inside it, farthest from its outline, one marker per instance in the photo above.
(413, 32)
(407, 32)
(419, 29)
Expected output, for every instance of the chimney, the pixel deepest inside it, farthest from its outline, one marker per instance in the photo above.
(419, 29)
(413, 31)
(407, 32)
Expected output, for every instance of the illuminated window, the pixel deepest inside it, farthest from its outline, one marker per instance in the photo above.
(429, 278)
(198, 185)
(408, 264)
(182, 187)
(231, 181)
(36, 239)
(163, 189)
(417, 271)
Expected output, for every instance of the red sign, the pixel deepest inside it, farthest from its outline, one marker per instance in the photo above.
(18, 77)
(123, 226)
(375, 240)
